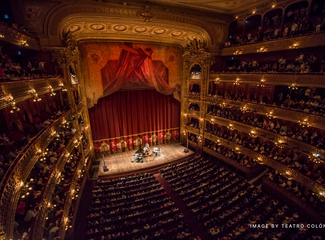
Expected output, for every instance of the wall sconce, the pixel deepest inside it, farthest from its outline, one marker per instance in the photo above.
(315, 158)
(238, 52)
(279, 144)
(217, 81)
(200, 139)
(63, 89)
(35, 95)
(218, 142)
(184, 132)
(294, 46)
(2, 36)
(236, 17)
(254, 11)
(304, 123)
(253, 134)
(293, 86)
(222, 105)
(52, 93)
(230, 127)
(288, 173)
(201, 119)
(212, 121)
(262, 83)
(244, 109)
(185, 114)
(237, 149)
(269, 115)
(237, 82)
(24, 43)
(10, 99)
(261, 49)
(273, 6)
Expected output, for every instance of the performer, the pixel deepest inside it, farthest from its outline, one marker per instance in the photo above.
(147, 147)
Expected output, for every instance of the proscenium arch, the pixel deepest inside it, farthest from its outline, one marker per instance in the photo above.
(64, 13)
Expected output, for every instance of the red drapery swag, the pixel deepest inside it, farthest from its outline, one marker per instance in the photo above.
(133, 112)
(135, 68)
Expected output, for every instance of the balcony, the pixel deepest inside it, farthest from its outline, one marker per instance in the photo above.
(16, 37)
(21, 90)
(301, 80)
(291, 143)
(250, 172)
(316, 121)
(20, 169)
(309, 213)
(193, 113)
(192, 130)
(314, 40)
(300, 178)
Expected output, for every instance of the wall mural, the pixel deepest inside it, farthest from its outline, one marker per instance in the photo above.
(110, 67)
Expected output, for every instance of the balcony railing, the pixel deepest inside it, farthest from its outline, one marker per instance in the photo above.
(46, 195)
(313, 40)
(250, 172)
(277, 112)
(20, 169)
(192, 129)
(21, 90)
(19, 38)
(300, 178)
(303, 80)
(291, 143)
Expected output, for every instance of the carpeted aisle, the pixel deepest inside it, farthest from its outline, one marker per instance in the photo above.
(189, 217)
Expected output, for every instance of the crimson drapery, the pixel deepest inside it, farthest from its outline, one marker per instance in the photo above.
(135, 68)
(132, 112)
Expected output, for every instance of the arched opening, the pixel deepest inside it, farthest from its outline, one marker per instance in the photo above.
(193, 122)
(272, 24)
(252, 26)
(295, 19)
(317, 16)
(194, 106)
(195, 88)
(235, 33)
(196, 72)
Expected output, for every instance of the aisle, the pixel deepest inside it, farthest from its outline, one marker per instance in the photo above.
(189, 217)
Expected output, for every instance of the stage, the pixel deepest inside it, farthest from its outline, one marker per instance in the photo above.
(120, 163)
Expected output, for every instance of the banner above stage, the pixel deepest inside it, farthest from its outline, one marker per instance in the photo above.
(115, 66)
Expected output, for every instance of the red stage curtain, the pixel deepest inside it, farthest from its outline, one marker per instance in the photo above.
(132, 112)
(135, 68)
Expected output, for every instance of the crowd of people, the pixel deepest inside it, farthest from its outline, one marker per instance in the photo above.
(313, 199)
(134, 207)
(19, 27)
(296, 23)
(226, 204)
(22, 134)
(32, 191)
(194, 123)
(231, 153)
(296, 160)
(299, 65)
(13, 70)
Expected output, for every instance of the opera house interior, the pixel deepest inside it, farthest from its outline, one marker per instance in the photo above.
(162, 119)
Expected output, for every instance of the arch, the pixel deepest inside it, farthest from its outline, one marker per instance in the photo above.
(252, 24)
(194, 106)
(196, 71)
(292, 7)
(317, 7)
(82, 16)
(235, 28)
(270, 15)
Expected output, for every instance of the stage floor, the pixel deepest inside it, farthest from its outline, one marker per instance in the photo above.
(120, 163)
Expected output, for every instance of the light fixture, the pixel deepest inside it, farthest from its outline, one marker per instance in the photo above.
(35, 95)
(200, 139)
(254, 11)
(236, 17)
(237, 52)
(24, 43)
(252, 134)
(63, 89)
(244, 109)
(230, 127)
(222, 105)
(261, 84)
(315, 157)
(262, 49)
(304, 123)
(11, 101)
(269, 115)
(273, 6)
(2, 36)
(294, 46)
(279, 143)
(236, 82)
(293, 86)
(52, 93)
(217, 81)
